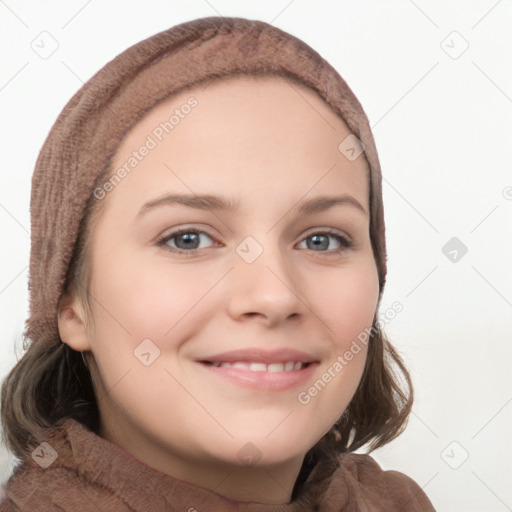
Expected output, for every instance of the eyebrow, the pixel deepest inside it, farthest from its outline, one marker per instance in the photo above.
(216, 203)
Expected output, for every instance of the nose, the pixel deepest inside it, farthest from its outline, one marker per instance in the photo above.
(267, 289)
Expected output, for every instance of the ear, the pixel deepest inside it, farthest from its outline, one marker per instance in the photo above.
(71, 323)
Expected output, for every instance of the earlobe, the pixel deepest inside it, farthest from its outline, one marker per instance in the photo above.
(72, 328)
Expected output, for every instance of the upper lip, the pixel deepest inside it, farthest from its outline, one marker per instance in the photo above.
(259, 355)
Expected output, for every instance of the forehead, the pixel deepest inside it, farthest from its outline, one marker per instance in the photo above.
(282, 106)
(244, 133)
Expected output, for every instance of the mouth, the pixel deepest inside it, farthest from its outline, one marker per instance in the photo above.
(267, 371)
(288, 366)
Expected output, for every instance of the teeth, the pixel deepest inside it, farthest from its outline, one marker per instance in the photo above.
(257, 367)
(262, 367)
(242, 366)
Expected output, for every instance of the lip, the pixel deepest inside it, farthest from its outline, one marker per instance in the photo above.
(261, 356)
(262, 381)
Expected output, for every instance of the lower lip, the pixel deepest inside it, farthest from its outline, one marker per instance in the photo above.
(263, 381)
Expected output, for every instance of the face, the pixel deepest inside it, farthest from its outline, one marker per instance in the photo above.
(219, 317)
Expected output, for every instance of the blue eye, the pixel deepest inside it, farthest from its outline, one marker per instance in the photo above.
(187, 241)
(320, 240)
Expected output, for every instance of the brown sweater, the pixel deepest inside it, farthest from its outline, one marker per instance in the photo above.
(93, 474)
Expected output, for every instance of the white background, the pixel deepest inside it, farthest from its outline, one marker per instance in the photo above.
(442, 124)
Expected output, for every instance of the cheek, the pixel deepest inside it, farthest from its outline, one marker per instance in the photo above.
(138, 299)
(347, 301)
(346, 307)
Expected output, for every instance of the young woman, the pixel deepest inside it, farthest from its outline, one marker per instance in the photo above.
(207, 262)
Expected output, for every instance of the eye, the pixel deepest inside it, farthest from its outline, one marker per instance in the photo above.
(187, 241)
(320, 240)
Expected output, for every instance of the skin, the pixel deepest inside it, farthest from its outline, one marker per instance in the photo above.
(269, 145)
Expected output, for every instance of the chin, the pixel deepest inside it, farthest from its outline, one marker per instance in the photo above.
(269, 451)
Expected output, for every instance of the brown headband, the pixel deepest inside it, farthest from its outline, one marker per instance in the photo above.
(95, 120)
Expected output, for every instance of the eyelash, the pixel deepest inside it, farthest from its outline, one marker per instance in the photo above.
(345, 243)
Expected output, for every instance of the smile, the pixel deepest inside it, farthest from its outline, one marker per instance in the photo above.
(259, 376)
(257, 369)
(288, 366)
